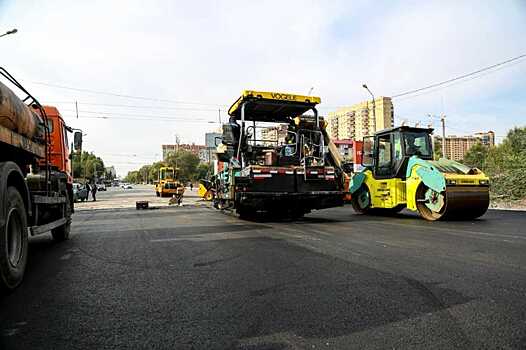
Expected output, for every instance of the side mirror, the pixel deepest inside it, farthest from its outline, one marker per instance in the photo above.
(77, 140)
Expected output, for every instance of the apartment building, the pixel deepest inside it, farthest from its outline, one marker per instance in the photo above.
(198, 150)
(357, 121)
(457, 146)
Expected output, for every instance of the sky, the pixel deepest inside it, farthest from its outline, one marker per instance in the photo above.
(143, 72)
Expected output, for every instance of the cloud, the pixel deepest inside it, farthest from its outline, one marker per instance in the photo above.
(209, 51)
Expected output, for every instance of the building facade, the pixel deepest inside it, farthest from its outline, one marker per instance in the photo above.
(357, 121)
(486, 138)
(345, 148)
(198, 150)
(457, 146)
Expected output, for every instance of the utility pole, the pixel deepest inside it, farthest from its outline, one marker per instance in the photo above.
(176, 146)
(77, 109)
(443, 121)
(374, 108)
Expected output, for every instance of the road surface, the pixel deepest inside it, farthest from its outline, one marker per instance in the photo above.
(193, 278)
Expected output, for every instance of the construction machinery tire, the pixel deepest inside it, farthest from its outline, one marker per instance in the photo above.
(157, 194)
(361, 200)
(61, 233)
(13, 240)
(209, 195)
(455, 203)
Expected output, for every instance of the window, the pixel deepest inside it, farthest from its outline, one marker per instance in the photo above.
(66, 141)
(384, 152)
(417, 143)
(397, 147)
(384, 165)
(50, 125)
(367, 151)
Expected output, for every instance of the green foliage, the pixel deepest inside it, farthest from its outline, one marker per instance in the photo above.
(476, 156)
(87, 166)
(186, 162)
(154, 171)
(190, 168)
(437, 151)
(505, 164)
(132, 177)
(203, 171)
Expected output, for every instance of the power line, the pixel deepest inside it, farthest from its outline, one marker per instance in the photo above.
(137, 106)
(445, 86)
(140, 115)
(459, 77)
(146, 119)
(122, 95)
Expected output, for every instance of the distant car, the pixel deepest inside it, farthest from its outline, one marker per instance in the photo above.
(127, 186)
(80, 192)
(101, 187)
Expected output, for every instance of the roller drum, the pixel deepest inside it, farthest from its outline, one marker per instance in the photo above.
(465, 202)
(456, 203)
(16, 116)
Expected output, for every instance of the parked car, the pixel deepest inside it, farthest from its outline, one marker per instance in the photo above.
(101, 187)
(80, 192)
(126, 186)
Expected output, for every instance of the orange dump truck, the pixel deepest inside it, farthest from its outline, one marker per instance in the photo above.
(36, 194)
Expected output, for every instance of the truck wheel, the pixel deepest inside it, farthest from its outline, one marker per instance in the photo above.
(361, 200)
(13, 241)
(61, 233)
(158, 194)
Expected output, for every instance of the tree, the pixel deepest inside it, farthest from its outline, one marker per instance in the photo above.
(437, 148)
(87, 166)
(144, 172)
(203, 171)
(504, 164)
(476, 156)
(154, 171)
(186, 162)
(132, 176)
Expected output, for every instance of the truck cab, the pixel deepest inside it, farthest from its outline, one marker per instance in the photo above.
(58, 144)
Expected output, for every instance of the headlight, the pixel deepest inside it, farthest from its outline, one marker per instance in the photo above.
(484, 182)
(451, 182)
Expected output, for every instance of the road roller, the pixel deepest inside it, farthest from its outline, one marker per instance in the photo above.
(399, 172)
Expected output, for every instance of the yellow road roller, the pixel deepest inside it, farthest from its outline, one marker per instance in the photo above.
(399, 172)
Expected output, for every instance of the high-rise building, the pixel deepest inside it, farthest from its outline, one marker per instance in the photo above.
(486, 138)
(357, 121)
(198, 150)
(457, 146)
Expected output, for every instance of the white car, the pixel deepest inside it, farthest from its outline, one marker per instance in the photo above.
(127, 186)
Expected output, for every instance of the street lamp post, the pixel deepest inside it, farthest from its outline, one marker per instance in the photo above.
(12, 31)
(374, 107)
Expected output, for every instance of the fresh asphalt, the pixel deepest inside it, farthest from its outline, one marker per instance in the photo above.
(193, 278)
